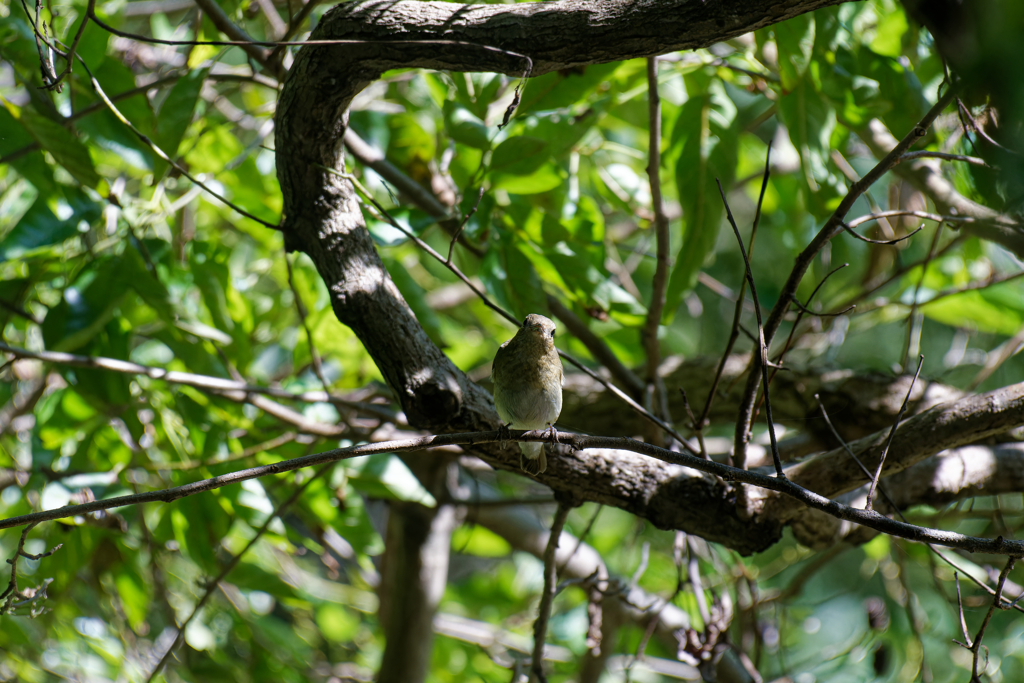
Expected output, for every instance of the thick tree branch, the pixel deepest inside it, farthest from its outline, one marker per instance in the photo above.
(681, 500)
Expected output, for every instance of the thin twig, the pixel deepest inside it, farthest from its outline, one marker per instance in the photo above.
(230, 389)
(976, 645)
(741, 299)
(762, 347)
(660, 283)
(917, 294)
(849, 451)
(163, 155)
(580, 539)
(799, 317)
(909, 156)
(892, 433)
(540, 626)
(862, 238)
(300, 308)
(462, 226)
(960, 608)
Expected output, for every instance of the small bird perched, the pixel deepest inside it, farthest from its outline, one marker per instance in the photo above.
(528, 380)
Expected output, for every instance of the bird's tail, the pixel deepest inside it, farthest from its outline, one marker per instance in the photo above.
(533, 459)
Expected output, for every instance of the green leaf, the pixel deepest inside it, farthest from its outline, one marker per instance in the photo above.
(38, 227)
(384, 475)
(85, 307)
(476, 540)
(175, 116)
(810, 120)
(710, 136)
(521, 155)
(466, 128)
(795, 41)
(64, 145)
(545, 178)
(892, 26)
(337, 623)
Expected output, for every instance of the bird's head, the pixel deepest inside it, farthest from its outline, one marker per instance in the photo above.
(537, 327)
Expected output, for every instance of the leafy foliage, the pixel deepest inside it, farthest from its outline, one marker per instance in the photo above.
(108, 251)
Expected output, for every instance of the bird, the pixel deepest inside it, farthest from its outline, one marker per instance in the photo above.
(528, 379)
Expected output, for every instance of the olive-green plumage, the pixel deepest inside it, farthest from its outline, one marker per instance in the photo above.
(528, 380)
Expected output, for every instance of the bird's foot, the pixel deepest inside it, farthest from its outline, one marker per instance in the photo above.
(552, 434)
(503, 435)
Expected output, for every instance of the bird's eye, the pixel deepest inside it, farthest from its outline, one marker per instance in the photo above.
(525, 321)
(552, 334)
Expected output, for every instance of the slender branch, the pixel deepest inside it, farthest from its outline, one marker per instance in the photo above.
(462, 225)
(300, 308)
(849, 230)
(762, 347)
(892, 433)
(230, 389)
(660, 283)
(596, 346)
(912, 339)
(976, 645)
(909, 156)
(741, 299)
(540, 626)
(163, 155)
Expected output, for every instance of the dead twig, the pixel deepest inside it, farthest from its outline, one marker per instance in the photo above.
(540, 626)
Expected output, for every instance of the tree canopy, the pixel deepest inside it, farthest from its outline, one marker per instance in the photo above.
(256, 259)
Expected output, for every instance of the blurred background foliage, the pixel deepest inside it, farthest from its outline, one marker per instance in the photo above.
(107, 251)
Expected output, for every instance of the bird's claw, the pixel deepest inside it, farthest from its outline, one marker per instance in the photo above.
(552, 434)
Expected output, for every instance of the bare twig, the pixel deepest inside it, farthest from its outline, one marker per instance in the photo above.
(12, 593)
(462, 226)
(163, 155)
(917, 293)
(741, 299)
(976, 645)
(892, 433)
(942, 155)
(540, 626)
(231, 389)
(862, 238)
(761, 345)
(300, 308)
(657, 305)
